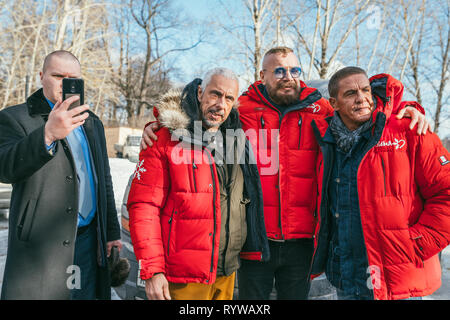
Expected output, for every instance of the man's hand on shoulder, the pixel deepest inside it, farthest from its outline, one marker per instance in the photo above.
(148, 136)
(416, 118)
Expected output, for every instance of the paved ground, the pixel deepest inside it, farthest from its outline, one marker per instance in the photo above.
(3, 245)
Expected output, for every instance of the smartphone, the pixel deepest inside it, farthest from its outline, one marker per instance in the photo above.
(73, 87)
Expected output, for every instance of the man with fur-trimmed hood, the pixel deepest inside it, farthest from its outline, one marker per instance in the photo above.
(196, 203)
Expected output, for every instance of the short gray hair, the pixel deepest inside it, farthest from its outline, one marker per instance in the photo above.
(224, 72)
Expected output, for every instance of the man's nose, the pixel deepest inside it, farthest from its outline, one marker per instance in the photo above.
(288, 76)
(221, 102)
(360, 96)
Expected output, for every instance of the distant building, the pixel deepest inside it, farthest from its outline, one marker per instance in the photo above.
(118, 135)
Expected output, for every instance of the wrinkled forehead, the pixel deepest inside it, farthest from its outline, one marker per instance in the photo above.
(280, 60)
(223, 85)
(354, 81)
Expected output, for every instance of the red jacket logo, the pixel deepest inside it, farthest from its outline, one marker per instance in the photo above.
(443, 160)
(315, 107)
(398, 144)
(139, 169)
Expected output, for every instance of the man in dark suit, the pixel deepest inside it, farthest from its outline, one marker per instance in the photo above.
(63, 221)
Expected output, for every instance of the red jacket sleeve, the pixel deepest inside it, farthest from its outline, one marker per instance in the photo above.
(148, 194)
(432, 167)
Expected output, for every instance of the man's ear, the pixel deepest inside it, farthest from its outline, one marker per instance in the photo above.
(261, 77)
(199, 93)
(333, 103)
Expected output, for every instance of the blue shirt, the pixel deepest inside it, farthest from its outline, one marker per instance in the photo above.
(87, 192)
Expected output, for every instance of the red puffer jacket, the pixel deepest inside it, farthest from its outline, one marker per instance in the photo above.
(175, 213)
(404, 199)
(174, 199)
(286, 153)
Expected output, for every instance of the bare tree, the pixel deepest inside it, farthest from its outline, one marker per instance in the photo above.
(261, 28)
(141, 74)
(29, 32)
(442, 60)
(335, 21)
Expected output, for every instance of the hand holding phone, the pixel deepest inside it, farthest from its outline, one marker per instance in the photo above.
(61, 121)
(73, 87)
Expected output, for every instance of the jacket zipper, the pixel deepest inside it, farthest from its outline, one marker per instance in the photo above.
(170, 231)
(323, 208)
(264, 137)
(360, 219)
(227, 228)
(299, 131)
(384, 176)
(214, 210)
(318, 191)
(280, 225)
(194, 167)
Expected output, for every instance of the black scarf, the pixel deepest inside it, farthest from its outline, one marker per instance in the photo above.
(346, 139)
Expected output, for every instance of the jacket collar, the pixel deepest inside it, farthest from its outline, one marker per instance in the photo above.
(37, 104)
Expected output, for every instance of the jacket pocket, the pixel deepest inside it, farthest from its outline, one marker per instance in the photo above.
(194, 176)
(26, 220)
(418, 260)
(384, 175)
(243, 221)
(170, 231)
(263, 133)
(299, 131)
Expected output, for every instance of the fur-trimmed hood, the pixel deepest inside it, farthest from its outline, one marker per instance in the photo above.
(170, 113)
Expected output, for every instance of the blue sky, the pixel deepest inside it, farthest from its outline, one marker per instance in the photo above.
(210, 54)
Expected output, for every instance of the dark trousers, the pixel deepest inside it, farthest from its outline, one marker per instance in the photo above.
(289, 266)
(86, 259)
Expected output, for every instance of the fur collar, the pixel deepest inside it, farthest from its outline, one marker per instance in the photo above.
(37, 104)
(171, 115)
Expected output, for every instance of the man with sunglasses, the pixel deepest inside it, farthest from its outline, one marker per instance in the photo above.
(282, 107)
(276, 113)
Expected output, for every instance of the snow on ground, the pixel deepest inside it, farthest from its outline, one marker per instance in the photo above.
(121, 169)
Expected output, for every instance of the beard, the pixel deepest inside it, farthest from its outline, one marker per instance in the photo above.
(284, 99)
(210, 124)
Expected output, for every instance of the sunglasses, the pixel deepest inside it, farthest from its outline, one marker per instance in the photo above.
(281, 72)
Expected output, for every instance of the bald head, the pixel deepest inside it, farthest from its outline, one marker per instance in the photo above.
(57, 66)
(283, 51)
(62, 54)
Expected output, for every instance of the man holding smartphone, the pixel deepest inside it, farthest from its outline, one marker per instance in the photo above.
(63, 221)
